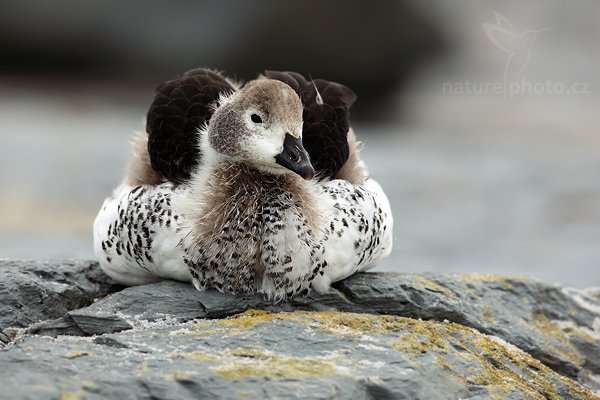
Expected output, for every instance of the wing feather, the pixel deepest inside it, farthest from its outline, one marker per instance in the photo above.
(179, 108)
(183, 105)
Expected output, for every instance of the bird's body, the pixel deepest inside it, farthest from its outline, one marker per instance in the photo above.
(280, 234)
(272, 234)
(247, 217)
(137, 235)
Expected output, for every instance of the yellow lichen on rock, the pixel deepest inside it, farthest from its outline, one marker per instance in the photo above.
(245, 320)
(553, 333)
(142, 368)
(71, 395)
(87, 383)
(77, 353)
(571, 329)
(420, 342)
(178, 375)
(497, 364)
(420, 282)
(330, 321)
(248, 319)
(196, 355)
(342, 323)
(255, 362)
(487, 314)
(473, 358)
(503, 280)
(243, 393)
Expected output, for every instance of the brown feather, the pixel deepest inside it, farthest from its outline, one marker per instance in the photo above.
(139, 170)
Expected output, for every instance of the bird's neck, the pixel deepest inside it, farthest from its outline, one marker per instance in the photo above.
(232, 188)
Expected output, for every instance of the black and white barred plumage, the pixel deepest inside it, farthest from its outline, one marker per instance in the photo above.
(243, 222)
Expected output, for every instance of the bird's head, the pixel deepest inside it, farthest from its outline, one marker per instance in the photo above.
(261, 125)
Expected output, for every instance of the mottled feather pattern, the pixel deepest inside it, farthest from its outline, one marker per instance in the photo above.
(236, 213)
(263, 238)
(136, 235)
(360, 227)
(264, 243)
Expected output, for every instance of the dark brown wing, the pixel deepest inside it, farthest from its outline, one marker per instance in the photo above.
(326, 120)
(179, 108)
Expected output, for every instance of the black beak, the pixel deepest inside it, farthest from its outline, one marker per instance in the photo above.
(295, 158)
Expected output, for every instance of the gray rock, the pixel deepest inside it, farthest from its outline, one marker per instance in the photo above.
(32, 291)
(554, 325)
(301, 354)
(176, 301)
(417, 336)
(559, 327)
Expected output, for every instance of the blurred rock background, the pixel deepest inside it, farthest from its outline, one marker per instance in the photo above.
(486, 139)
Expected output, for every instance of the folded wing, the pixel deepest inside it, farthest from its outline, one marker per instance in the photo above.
(179, 108)
(183, 105)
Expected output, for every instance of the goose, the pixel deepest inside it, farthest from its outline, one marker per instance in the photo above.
(243, 213)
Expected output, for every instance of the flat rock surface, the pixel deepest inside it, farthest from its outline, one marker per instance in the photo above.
(302, 354)
(377, 335)
(32, 291)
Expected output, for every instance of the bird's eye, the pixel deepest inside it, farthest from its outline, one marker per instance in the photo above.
(256, 118)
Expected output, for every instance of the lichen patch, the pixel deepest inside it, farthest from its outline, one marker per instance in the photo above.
(255, 362)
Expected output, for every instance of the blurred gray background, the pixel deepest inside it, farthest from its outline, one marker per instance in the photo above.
(479, 118)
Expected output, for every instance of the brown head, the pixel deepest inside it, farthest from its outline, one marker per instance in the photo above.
(261, 125)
